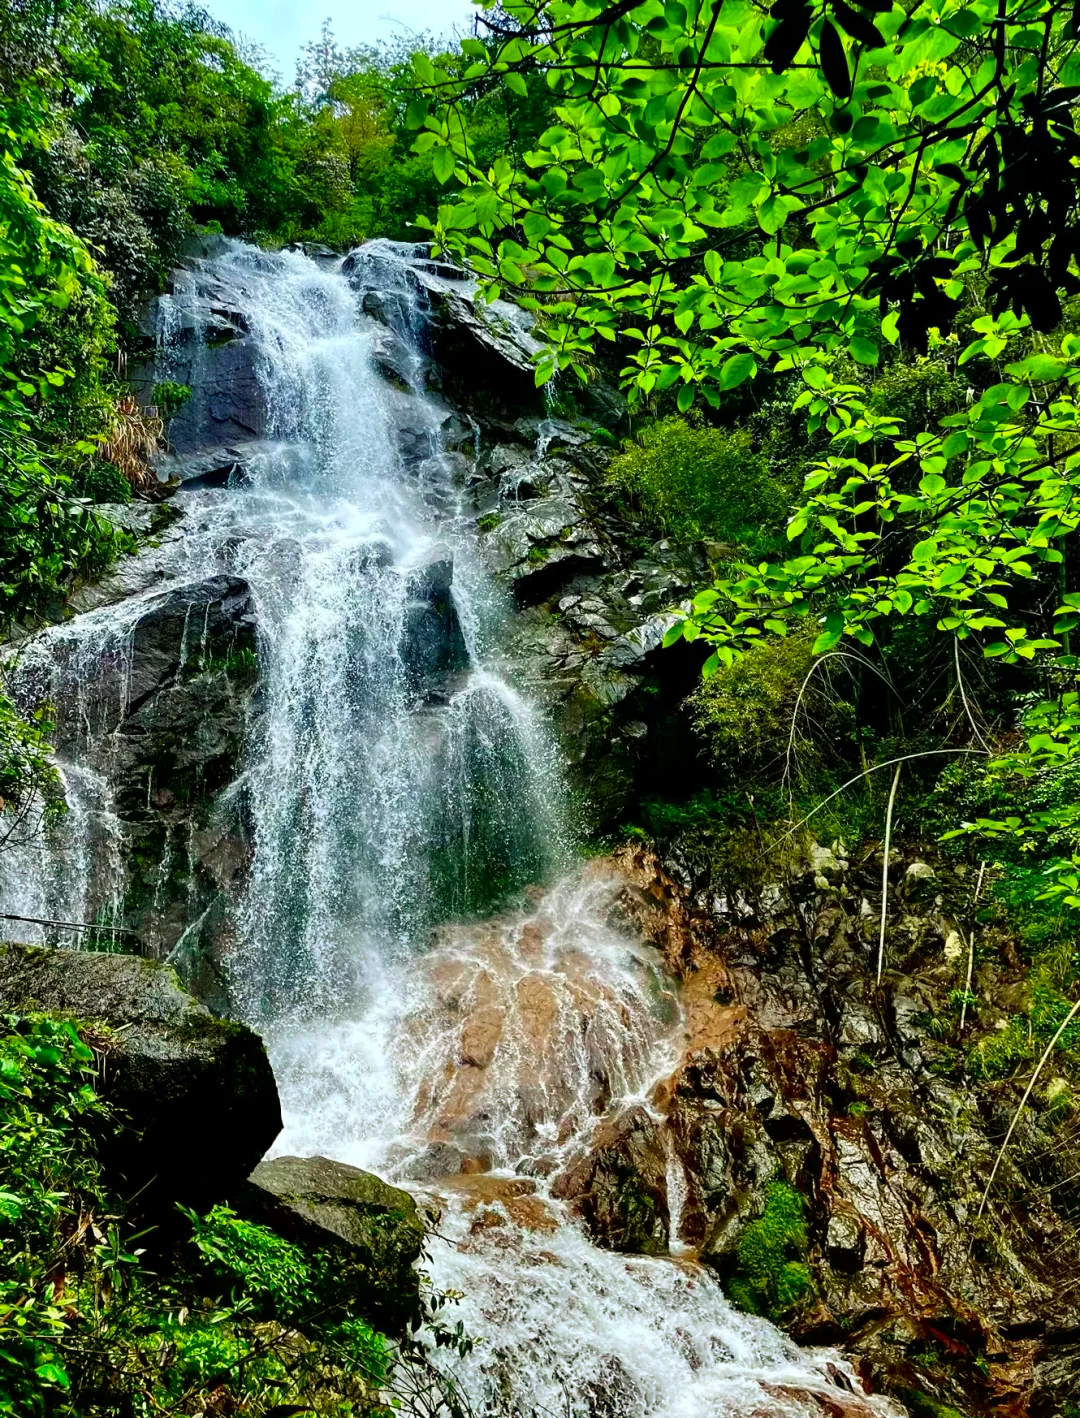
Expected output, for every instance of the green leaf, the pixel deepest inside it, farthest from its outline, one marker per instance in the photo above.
(863, 351)
(416, 112)
(1038, 367)
(736, 371)
(686, 398)
(772, 214)
(443, 164)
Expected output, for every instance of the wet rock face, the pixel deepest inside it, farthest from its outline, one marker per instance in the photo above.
(619, 1186)
(483, 354)
(591, 615)
(328, 1205)
(194, 660)
(433, 645)
(165, 708)
(796, 1068)
(212, 355)
(198, 1091)
(525, 1031)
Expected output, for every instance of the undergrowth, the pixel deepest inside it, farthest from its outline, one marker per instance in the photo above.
(225, 1318)
(689, 481)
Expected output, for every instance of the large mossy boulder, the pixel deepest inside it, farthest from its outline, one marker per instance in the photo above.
(328, 1205)
(196, 1092)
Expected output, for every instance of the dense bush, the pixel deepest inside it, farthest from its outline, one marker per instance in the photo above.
(689, 481)
(750, 714)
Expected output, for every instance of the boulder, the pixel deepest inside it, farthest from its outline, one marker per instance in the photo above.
(185, 630)
(197, 1092)
(220, 466)
(228, 404)
(483, 349)
(619, 1187)
(393, 358)
(168, 690)
(375, 1227)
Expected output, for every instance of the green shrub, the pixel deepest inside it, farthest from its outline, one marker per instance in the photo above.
(772, 1275)
(918, 392)
(690, 482)
(233, 1319)
(27, 772)
(47, 1104)
(744, 711)
(169, 398)
(100, 481)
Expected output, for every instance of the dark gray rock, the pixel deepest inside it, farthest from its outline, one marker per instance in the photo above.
(433, 646)
(227, 406)
(619, 1187)
(393, 358)
(145, 568)
(209, 467)
(329, 1205)
(160, 709)
(485, 352)
(197, 1091)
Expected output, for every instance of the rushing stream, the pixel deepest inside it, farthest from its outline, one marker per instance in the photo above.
(447, 996)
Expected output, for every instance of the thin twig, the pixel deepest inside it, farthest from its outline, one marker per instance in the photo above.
(963, 696)
(68, 925)
(971, 950)
(885, 870)
(1023, 1101)
(832, 655)
(875, 768)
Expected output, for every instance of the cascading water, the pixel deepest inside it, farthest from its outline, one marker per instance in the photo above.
(395, 779)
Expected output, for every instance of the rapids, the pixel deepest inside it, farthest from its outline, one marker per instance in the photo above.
(472, 1060)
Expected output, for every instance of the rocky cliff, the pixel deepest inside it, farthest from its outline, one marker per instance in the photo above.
(815, 1145)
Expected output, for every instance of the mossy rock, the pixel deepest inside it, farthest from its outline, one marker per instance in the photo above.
(197, 1091)
(328, 1205)
(772, 1277)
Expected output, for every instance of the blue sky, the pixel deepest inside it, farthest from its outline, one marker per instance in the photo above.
(282, 26)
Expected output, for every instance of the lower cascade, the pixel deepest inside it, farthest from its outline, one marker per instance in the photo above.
(382, 876)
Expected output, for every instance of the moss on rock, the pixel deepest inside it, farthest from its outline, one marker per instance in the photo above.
(772, 1276)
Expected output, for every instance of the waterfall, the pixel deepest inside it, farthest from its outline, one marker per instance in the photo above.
(446, 995)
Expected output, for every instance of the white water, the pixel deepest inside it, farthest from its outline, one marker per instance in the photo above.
(379, 811)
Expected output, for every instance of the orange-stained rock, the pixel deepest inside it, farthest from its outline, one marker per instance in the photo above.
(531, 941)
(450, 978)
(474, 1165)
(711, 1017)
(484, 990)
(516, 1195)
(480, 1036)
(458, 1103)
(538, 1007)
